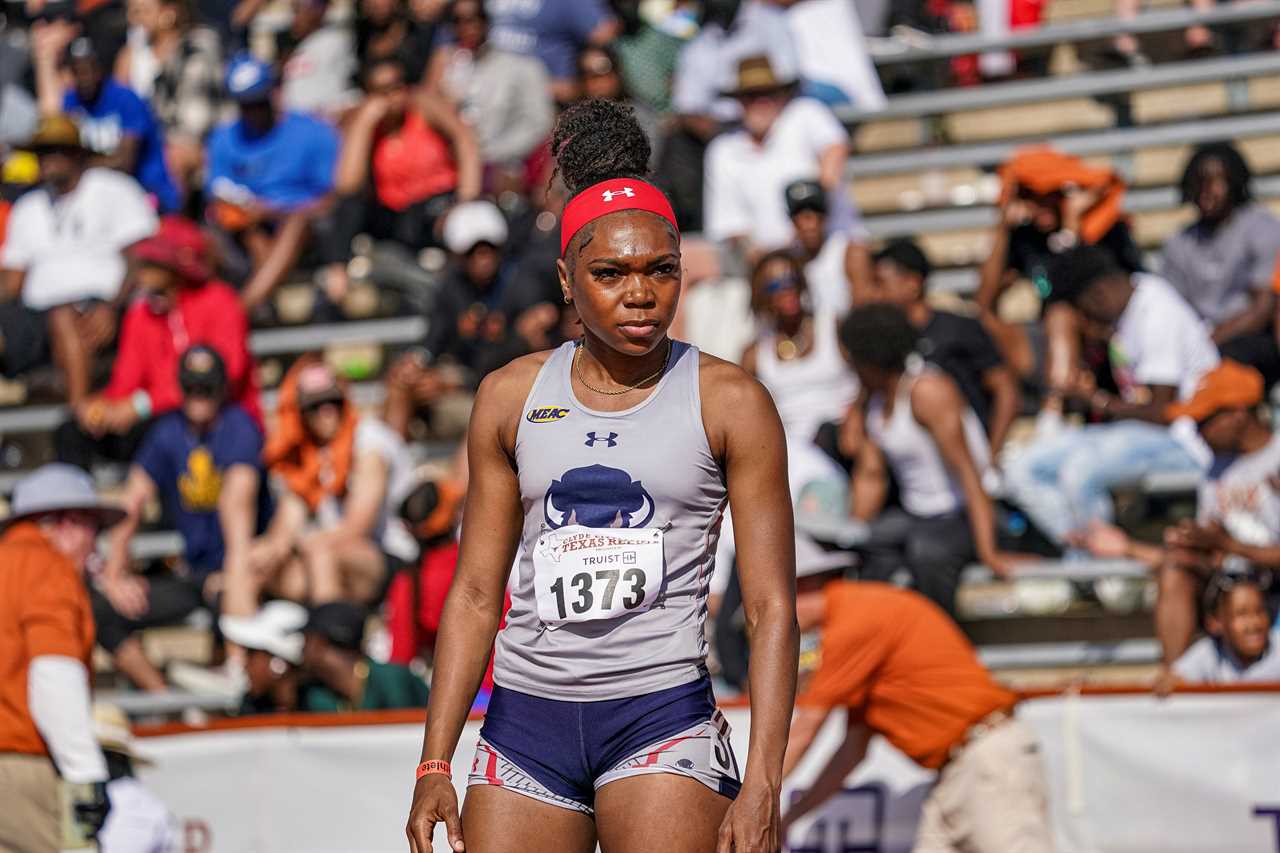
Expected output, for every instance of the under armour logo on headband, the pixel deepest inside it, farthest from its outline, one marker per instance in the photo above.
(613, 195)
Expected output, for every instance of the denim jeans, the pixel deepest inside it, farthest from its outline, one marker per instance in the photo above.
(1063, 482)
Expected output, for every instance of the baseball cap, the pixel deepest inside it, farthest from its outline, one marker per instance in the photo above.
(82, 48)
(474, 222)
(1230, 385)
(178, 245)
(339, 622)
(249, 79)
(202, 371)
(317, 383)
(805, 195)
(276, 629)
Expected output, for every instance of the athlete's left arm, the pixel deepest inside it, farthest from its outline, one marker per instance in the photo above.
(746, 434)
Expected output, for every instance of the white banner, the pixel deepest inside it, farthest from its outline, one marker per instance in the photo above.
(1127, 774)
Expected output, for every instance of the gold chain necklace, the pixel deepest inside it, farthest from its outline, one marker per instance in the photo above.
(577, 369)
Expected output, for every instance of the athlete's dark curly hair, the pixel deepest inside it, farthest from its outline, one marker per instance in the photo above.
(597, 140)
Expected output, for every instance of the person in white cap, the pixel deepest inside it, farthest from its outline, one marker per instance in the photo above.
(472, 328)
(272, 640)
(46, 643)
(139, 821)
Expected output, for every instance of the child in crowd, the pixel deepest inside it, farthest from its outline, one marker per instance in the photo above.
(1243, 645)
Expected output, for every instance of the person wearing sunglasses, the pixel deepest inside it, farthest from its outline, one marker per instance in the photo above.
(202, 462)
(178, 303)
(334, 535)
(797, 355)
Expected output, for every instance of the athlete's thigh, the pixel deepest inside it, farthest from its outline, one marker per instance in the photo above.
(495, 820)
(658, 811)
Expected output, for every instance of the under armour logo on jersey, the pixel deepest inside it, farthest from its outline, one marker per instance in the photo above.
(608, 195)
(611, 440)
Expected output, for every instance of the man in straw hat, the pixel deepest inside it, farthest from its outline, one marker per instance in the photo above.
(784, 138)
(64, 255)
(46, 642)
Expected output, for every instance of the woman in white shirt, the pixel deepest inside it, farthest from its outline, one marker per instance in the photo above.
(797, 356)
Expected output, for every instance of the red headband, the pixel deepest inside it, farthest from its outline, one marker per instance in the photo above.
(609, 197)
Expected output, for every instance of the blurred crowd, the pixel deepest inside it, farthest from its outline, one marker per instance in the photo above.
(173, 167)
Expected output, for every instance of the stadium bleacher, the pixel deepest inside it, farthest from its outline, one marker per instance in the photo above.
(922, 167)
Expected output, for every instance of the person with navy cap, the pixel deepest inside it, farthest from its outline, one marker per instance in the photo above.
(269, 172)
(46, 646)
(203, 463)
(837, 263)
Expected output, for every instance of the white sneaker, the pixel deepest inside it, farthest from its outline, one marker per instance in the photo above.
(228, 681)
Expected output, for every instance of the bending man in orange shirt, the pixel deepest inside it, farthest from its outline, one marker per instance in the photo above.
(46, 640)
(902, 669)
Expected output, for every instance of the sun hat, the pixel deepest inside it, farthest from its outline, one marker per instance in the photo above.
(111, 730)
(58, 487)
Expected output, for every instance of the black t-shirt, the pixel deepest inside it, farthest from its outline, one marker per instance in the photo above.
(472, 326)
(1031, 255)
(964, 351)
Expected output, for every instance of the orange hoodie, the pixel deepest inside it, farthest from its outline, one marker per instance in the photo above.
(1043, 170)
(311, 471)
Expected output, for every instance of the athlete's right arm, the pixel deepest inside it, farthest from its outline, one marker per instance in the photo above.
(491, 525)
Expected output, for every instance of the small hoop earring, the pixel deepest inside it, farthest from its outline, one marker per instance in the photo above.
(567, 300)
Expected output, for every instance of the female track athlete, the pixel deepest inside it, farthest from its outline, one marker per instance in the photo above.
(610, 461)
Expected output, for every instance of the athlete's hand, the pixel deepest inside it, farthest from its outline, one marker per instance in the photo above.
(752, 824)
(434, 800)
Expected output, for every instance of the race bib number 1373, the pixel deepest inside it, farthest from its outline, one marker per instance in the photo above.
(585, 573)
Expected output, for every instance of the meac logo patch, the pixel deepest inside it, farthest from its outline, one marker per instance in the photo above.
(545, 414)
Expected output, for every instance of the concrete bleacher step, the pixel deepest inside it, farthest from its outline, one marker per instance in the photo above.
(1028, 121)
(1058, 11)
(1081, 623)
(1180, 102)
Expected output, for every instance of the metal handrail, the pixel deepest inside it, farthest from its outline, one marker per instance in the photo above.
(924, 47)
(1089, 144)
(1144, 200)
(1087, 84)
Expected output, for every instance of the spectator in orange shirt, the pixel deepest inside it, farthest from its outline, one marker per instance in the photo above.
(46, 641)
(903, 670)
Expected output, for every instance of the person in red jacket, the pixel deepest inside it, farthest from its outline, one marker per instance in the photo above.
(179, 305)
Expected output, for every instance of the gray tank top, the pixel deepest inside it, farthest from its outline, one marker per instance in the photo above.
(635, 599)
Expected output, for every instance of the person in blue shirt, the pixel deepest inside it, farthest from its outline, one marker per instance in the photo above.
(270, 175)
(553, 31)
(117, 125)
(203, 462)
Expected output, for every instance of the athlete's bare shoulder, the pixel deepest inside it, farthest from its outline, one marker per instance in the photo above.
(503, 392)
(731, 397)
